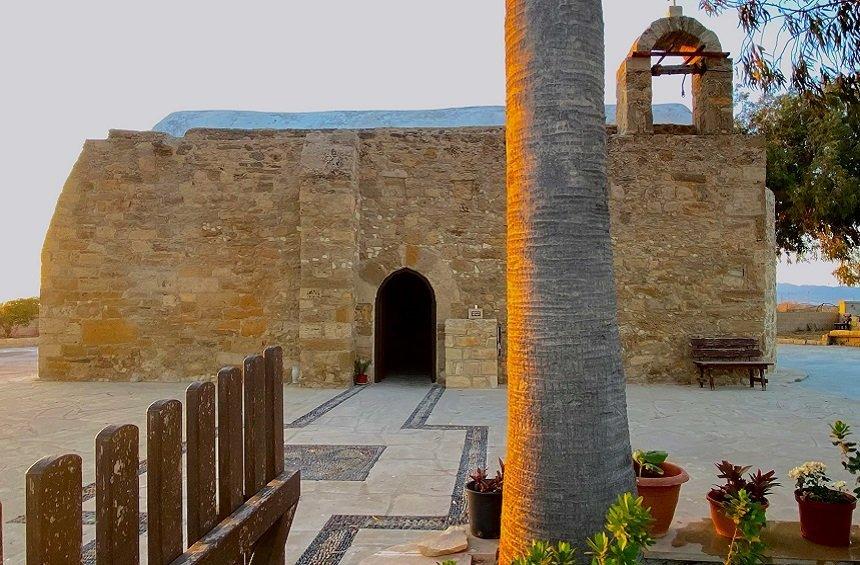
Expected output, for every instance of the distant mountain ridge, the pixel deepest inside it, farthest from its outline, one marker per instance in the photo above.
(177, 123)
(815, 294)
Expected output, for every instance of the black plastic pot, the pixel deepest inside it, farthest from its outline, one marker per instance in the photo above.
(485, 513)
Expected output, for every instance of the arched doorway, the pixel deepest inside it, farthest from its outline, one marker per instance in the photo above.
(405, 331)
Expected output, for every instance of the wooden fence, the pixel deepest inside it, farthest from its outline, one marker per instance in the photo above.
(256, 497)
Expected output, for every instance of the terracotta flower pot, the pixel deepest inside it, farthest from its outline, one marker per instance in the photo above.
(825, 523)
(661, 496)
(723, 525)
(361, 379)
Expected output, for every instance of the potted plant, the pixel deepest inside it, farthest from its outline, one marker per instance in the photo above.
(659, 484)
(826, 507)
(757, 488)
(484, 499)
(361, 366)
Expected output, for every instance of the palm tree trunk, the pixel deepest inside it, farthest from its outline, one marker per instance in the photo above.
(568, 441)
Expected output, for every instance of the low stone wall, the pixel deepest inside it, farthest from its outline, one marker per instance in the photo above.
(30, 330)
(787, 322)
(17, 342)
(844, 337)
(471, 354)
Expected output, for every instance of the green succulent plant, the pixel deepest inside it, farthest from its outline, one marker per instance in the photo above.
(649, 462)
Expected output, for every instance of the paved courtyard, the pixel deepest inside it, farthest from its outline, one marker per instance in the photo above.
(383, 461)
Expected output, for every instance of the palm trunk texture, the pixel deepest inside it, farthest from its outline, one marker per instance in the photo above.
(568, 453)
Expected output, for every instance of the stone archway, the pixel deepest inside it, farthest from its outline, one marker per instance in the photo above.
(685, 39)
(405, 327)
(372, 273)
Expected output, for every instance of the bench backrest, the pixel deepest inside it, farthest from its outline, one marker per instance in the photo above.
(725, 348)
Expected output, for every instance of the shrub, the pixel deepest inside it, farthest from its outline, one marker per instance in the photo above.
(621, 543)
(625, 534)
(746, 548)
(839, 432)
(16, 313)
(543, 553)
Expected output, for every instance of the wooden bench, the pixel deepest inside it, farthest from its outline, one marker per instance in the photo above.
(729, 353)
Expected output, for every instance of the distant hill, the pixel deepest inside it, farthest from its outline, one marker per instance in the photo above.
(813, 294)
(177, 123)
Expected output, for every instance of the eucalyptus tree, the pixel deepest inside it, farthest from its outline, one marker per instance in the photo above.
(568, 441)
(819, 40)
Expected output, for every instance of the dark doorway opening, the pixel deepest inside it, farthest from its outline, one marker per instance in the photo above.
(405, 327)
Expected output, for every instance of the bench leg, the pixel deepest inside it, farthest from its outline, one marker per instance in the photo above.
(752, 377)
(701, 377)
(763, 379)
(711, 379)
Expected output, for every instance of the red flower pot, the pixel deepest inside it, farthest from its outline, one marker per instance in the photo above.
(660, 495)
(826, 523)
(723, 525)
(361, 379)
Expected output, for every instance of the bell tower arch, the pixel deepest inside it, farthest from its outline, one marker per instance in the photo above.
(676, 45)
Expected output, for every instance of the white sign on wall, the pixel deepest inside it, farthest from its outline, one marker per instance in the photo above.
(476, 313)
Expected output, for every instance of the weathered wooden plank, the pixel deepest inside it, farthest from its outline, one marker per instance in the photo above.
(708, 353)
(274, 404)
(164, 481)
(230, 469)
(254, 384)
(117, 496)
(248, 524)
(200, 459)
(53, 502)
(270, 549)
(732, 363)
(724, 342)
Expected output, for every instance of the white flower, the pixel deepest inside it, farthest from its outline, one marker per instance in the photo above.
(839, 485)
(807, 469)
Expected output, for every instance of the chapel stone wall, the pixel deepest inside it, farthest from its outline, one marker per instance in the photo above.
(164, 253)
(167, 258)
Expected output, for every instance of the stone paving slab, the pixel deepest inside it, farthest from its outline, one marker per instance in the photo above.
(430, 436)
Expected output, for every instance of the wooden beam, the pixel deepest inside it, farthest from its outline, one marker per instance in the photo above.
(238, 533)
(659, 70)
(661, 53)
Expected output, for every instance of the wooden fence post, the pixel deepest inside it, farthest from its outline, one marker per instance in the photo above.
(53, 493)
(117, 496)
(254, 383)
(274, 406)
(164, 481)
(270, 548)
(200, 459)
(230, 470)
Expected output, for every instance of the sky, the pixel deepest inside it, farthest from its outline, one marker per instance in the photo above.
(72, 70)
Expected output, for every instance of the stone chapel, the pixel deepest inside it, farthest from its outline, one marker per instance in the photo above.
(168, 257)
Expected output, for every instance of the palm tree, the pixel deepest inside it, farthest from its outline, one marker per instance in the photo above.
(568, 442)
